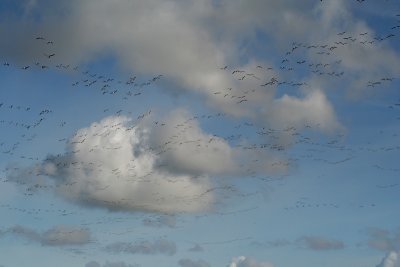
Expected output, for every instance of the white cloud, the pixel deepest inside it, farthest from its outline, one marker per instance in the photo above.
(390, 260)
(243, 261)
(187, 43)
(314, 109)
(363, 57)
(189, 149)
(285, 22)
(114, 164)
(167, 167)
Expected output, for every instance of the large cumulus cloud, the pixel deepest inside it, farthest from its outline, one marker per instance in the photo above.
(187, 43)
(124, 164)
(117, 165)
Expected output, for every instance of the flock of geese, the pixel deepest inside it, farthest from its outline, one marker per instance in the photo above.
(293, 61)
(131, 87)
(300, 57)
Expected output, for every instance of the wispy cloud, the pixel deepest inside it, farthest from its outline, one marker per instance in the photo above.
(384, 240)
(160, 246)
(110, 264)
(319, 243)
(196, 248)
(160, 221)
(316, 243)
(61, 235)
(192, 263)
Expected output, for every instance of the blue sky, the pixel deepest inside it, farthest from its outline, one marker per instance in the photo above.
(199, 133)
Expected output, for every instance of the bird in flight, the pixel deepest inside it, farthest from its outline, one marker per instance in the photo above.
(50, 55)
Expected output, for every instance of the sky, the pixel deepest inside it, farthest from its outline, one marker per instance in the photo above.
(201, 133)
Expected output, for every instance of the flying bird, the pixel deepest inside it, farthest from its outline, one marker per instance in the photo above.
(50, 55)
